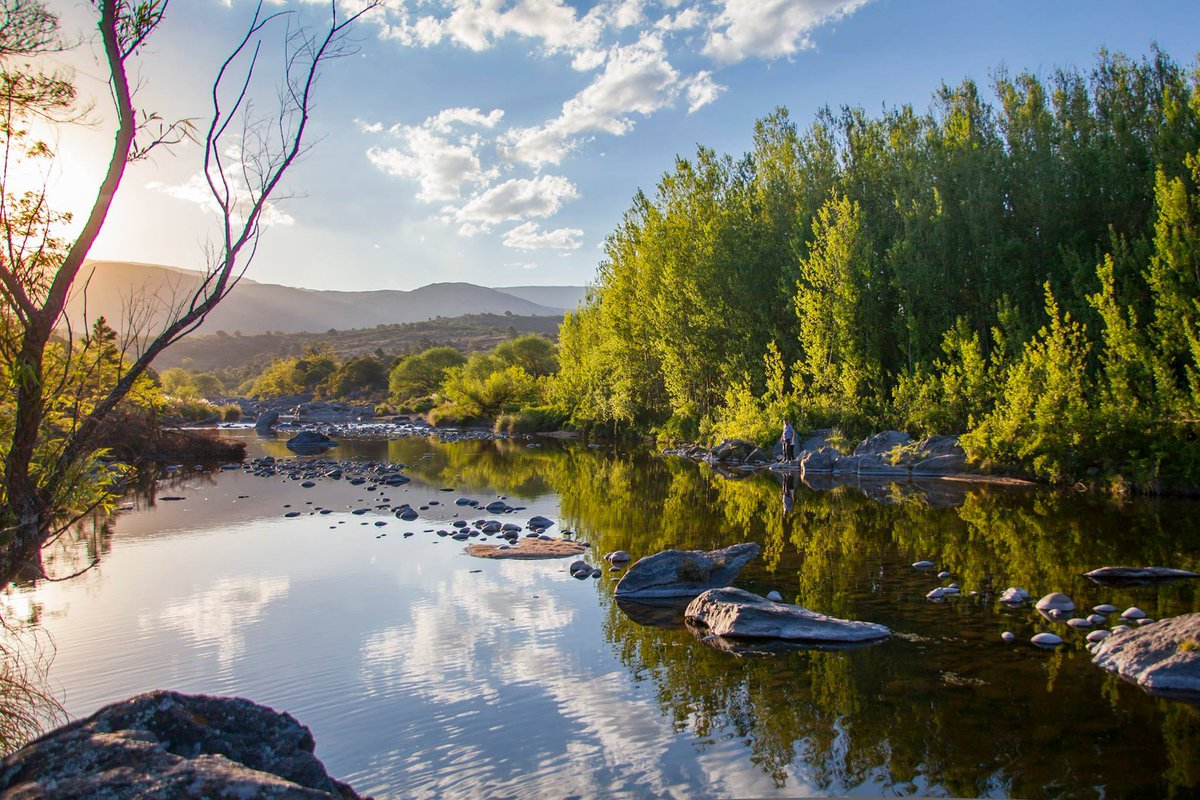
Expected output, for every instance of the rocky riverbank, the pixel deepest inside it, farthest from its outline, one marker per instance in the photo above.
(168, 744)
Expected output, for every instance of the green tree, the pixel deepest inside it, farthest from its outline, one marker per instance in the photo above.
(422, 374)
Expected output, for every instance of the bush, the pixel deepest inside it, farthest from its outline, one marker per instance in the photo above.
(531, 420)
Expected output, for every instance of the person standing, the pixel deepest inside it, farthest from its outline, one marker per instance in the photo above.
(789, 439)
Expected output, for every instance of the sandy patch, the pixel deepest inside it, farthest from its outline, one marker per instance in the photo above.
(528, 549)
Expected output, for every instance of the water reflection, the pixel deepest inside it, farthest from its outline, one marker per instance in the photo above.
(425, 673)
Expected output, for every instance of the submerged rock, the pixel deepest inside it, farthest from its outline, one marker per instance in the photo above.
(309, 441)
(685, 573)
(1162, 657)
(730, 612)
(168, 744)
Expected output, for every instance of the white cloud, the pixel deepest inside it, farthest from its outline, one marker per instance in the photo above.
(770, 28)
(686, 20)
(441, 162)
(702, 90)
(637, 78)
(196, 190)
(528, 236)
(514, 199)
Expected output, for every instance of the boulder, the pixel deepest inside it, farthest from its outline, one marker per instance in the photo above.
(815, 440)
(819, 460)
(685, 573)
(1129, 576)
(1055, 601)
(939, 455)
(1162, 657)
(266, 421)
(731, 449)
(882, 443)
(309, 441)
(540, 522)
(736, 613)
(846, 465)
(168, 744)
(873, 466)
(757, 456)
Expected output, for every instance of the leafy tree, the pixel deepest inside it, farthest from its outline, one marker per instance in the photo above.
(535, 354)
(421, 375)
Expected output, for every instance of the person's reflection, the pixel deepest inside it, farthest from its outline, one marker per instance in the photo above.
(789, 494)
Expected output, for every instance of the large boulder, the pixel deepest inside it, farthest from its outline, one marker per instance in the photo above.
(729, 612)
(685, 573)
(815, 440)
(167, 744)
(1162, 657)
(819, 461)
(266, 421)
(732, 449)
(939, 455)
(309, 441)
(882, 444)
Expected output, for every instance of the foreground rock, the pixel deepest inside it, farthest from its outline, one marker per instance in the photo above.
(736, 613)
(685, 573)
(167, 744)
(309, 442)
(1162, 657)
(528, 549)
(1127, 576)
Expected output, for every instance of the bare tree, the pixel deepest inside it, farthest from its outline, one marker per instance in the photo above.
(38, 270)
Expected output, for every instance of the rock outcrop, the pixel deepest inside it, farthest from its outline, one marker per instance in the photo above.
(736, 613)
(1162, 657)
(309, 442)
(685, 573)
(167, 744)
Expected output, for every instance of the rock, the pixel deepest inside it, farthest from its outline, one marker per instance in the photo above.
(943, 574)
(923, 564)
(266, 421)
(729, 612)
(846, 465)
(1079, 622)
(1127, 576)
(875, 466)
(496, 507)
(539, 522)
(1104, 608)
(1047, 640)
(309, 441)
(1008, 636)
(1096, 636)
(819, 461)
(1097, 619)
(618, 557)
(168, 744)
(882, 444)
(1163, 657)
(1133, 612)
(685, 573)
(307, 485)
(1014, 595)
(774, 596)
(939, 455)
(1056, 601)
(757, 456)
(815, 440)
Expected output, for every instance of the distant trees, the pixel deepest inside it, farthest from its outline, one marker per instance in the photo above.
(1024, 268)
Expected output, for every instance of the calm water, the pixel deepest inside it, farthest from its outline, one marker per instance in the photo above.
(426, 673)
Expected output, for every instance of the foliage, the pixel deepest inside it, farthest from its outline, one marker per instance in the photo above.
(366, 376)
(535, 354)
(934, 270)
(421, 374)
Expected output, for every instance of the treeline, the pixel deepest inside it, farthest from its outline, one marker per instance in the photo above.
(1022, 266)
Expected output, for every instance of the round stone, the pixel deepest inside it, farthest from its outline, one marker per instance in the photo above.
(1098, 636)
(1056, 601)
(1133, 612)
(1008, 636)
(1046, 640)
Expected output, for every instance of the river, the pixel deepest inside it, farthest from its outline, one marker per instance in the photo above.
(423, 672)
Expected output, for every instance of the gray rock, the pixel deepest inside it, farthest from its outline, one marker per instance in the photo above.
(819, 461)
(774, 596)
(1014, 595)
(167, 744)
(1056, 601)
(730, 612)
(1133, 612)
(309, 441)
(874, 466)
(685, 573)
(1008, 636)
(618, 557)
(923, 564)
(1104, 608)
(1096, 636)
(1079, 622)
(815, 440)
(939, 455)
(882, 443)
(266, 421)
(1162, 657)
(539, 522)
(1121, 576)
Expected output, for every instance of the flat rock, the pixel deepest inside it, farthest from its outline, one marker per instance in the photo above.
(528, 549)
(1124, 576)
(736, 613)
(685, 573)
(1046, 639)
(168, 744)
(1162, 657)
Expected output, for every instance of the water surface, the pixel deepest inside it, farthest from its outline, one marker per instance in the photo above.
(426, 673)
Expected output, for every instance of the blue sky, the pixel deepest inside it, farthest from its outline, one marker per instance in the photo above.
(499, 141)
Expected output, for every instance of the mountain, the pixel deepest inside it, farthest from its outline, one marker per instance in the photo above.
(254, 307)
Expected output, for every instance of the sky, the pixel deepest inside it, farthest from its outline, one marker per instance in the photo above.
(499, 141)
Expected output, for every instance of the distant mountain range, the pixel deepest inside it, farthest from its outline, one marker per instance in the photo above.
(254, 307)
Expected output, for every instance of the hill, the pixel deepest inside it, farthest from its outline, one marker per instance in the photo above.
(258, 308)
(475, 332)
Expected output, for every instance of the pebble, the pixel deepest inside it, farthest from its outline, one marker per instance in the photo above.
(923, 564)
(943, 574)
(1077, 622)
(1104, 608)
(1056, 601)
(1008, 636)
(1097, 619)
(307, 485)
(1098, 636)
(1133, 612)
